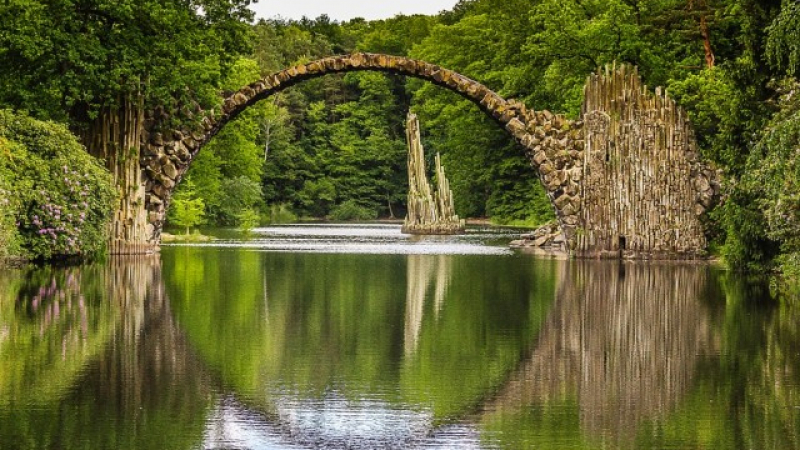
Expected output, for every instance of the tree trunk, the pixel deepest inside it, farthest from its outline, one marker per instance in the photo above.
(389, 203)
(116, 137)
(707, 42)
(267, 138)
(704, 33)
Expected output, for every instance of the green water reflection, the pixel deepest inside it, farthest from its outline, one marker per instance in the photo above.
(528, 354)
(436, 332)
(657, 357)
(89, 359)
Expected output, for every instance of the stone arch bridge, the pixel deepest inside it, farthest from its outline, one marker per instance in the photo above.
(624, 180)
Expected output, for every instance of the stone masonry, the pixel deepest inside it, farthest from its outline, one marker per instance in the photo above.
(556, 146)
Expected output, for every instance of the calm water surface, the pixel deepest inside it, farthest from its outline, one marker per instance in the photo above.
(358, 337)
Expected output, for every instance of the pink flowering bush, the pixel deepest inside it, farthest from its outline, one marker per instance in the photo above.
(60, 197)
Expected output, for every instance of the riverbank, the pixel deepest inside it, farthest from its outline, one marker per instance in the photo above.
(193, 237)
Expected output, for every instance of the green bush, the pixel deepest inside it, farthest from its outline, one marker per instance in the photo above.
(9, 240)
(63, 198)
(351, 210)
(248, 219)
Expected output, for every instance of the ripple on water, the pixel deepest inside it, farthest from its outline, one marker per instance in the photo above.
(330, 423)
(361, 239)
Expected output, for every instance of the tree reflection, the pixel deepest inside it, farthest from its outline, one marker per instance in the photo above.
(424, 332)
(53, 321)
(96, 361)
(394, 350)
(654, 356)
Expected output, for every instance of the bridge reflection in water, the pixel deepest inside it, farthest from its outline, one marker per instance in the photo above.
(622, 341)
(624, 351)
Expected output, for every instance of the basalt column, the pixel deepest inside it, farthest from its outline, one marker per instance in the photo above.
(644, 187)
(115, 137)
(429, 211)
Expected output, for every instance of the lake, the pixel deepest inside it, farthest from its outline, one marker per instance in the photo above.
(359, 337)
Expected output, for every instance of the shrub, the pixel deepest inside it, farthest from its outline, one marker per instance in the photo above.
(63, 197)
(247, 219)
(9, 239)
(351, 210)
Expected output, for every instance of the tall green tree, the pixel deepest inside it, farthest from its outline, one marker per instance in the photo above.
(100, 64)
(489, 174)
(188, 209)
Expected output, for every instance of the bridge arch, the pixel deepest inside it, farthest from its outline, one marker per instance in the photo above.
(548, 140)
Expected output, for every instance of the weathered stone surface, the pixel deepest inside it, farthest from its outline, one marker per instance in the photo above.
(574, 158)
(170, 171)
(639, 198)
(548, 238)
(239, 99)
(546, 168)
(430, 211)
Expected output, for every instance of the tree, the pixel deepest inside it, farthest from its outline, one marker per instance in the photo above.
(240, 195)
(105, 62)
(187, 209)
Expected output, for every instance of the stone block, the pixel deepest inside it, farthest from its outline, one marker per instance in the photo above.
(516, 127)
(170, 170)
(240, 99)
(546, 168)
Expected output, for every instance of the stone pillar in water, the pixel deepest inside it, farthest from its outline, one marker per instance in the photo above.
(429, 212)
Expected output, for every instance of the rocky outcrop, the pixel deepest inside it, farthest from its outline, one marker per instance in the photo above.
(430, 211)
(547, 239)
(644, 186)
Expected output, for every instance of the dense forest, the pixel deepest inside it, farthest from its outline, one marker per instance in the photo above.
(334, 147)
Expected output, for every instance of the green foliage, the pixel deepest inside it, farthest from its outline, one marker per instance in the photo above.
(723, 115)
(68, 60)
(63, 197)
(187, 209)
(9, 239)
(233, 154)
(281, 213)
(350, 210)
(247, 220)
(765, 205)
(489, 174)
(240, 194)
(783, 44)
